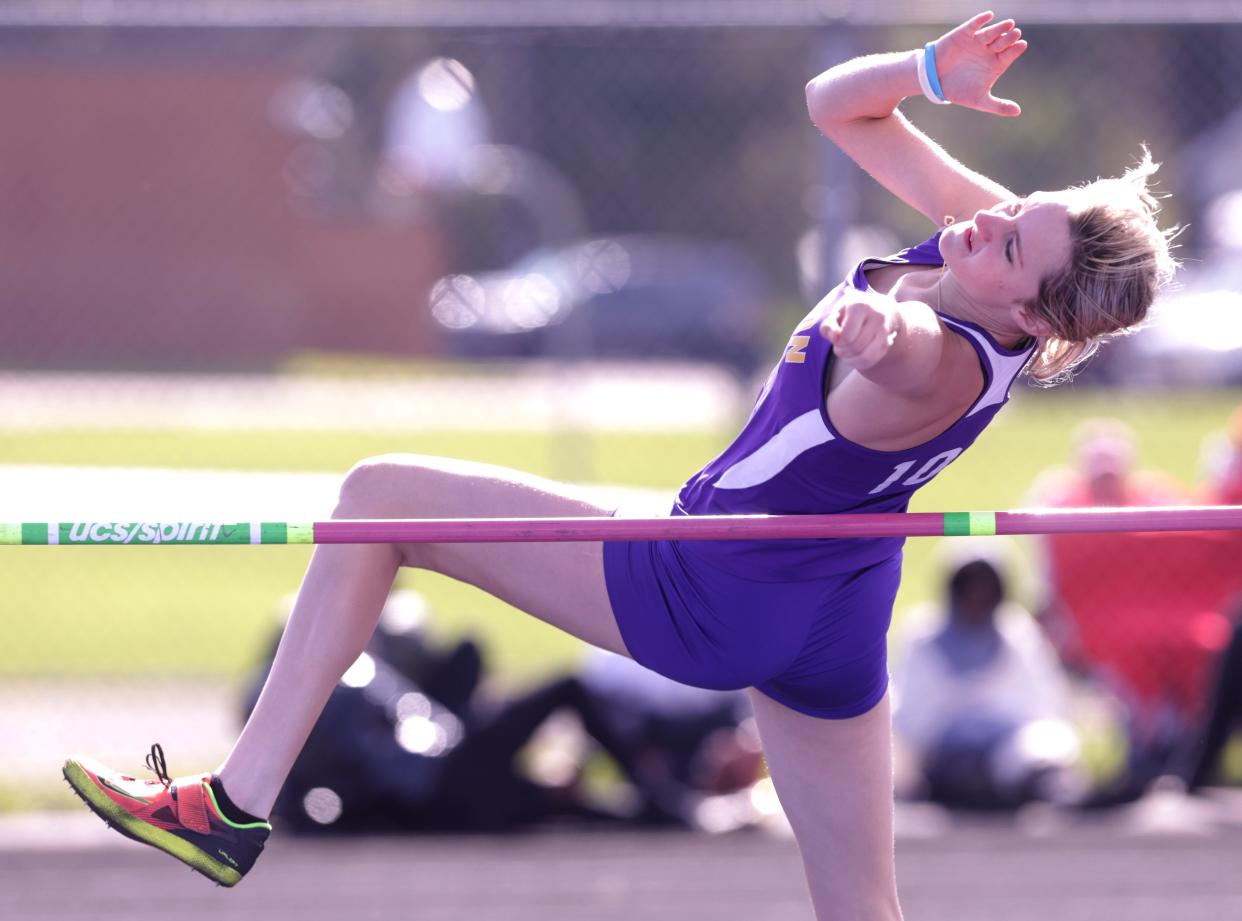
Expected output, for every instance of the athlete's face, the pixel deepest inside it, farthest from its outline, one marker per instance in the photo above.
(1000, 257)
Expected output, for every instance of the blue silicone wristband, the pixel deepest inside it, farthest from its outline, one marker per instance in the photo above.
(933, 78)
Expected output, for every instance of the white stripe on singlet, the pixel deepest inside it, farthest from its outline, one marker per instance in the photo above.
(775, 454)
(1004, 368)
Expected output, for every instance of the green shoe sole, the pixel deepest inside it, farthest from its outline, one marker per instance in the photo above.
(133, 827)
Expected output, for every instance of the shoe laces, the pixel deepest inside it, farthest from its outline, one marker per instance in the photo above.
(158, 766)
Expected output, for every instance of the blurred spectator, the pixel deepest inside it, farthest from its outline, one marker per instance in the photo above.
(1222, 456)
(449, 675)
(981, 698)
(436, 119)
(696, 739)
(1139, 612)
(1223, 486)
(1105, 473)
(1224, 714)
(407, 743)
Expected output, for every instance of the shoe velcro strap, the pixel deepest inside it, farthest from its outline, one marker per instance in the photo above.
(192, 805)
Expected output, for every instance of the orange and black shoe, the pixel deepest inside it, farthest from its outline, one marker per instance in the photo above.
(182, 817)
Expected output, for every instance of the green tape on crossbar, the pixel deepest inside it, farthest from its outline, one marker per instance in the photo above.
(969, 524)
(956, 524)
(983, 524)
(34, 532)
(281, 532)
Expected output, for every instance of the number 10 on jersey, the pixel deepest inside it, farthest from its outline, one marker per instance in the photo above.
(929, 469)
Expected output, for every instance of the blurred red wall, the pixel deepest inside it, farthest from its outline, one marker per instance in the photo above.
(145, 220)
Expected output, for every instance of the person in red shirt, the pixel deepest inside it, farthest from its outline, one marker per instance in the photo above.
(1140, 611)
(1224, 711)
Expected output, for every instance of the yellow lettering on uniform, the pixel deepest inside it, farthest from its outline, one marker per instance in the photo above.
(794, 352)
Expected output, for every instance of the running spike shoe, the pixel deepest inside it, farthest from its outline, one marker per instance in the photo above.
(179, 816)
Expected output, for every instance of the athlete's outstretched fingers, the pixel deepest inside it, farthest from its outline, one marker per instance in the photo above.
(1006, 40)
(993, 32)
(1006, 107)
(1013, 52)
(973, 24)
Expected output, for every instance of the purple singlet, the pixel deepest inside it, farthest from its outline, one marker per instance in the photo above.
(802, 620)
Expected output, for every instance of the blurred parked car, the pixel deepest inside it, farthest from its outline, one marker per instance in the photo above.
(625, 296)
(1193, 339)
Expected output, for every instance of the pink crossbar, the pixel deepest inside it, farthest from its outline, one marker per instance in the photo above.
(761, 527)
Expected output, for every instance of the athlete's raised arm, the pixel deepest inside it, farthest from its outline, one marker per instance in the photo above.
(855, 105)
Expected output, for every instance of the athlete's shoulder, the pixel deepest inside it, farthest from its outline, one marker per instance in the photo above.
(925, 253)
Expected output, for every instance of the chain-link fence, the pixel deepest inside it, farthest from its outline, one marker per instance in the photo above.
(246, 244)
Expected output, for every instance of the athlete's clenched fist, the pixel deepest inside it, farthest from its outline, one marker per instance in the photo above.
(862, 327)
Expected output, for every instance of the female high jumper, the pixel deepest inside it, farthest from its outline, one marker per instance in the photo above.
(888, 380)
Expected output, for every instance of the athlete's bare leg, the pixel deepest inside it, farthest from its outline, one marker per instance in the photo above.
(835, 781)
(346, 586)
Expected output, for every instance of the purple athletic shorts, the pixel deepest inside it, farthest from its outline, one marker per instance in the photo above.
(818, 646)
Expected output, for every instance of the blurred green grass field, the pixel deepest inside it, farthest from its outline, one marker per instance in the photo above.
(76, 612)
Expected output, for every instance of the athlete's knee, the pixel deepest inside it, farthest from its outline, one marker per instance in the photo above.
(368, 488)
(391, 486)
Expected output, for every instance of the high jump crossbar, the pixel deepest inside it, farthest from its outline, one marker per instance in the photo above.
(677, 527)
